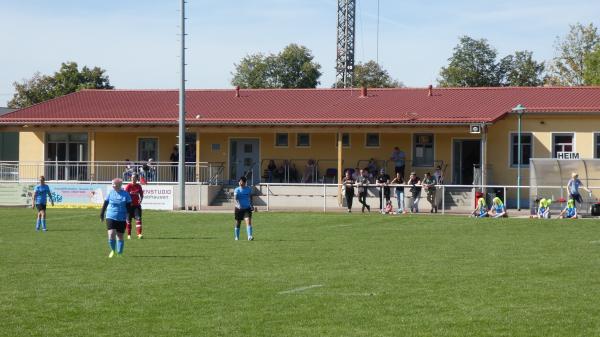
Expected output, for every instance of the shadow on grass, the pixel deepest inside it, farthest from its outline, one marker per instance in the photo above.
(183, 238)
(168, 256)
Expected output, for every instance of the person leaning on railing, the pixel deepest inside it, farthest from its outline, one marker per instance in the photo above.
(348, 189)
(398, 180)
(363, 185)
(415, 190)
(429, 183)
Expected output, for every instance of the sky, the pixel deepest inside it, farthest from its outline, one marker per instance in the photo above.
(137, 43)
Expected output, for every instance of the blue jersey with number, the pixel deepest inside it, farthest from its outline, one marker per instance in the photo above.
(117, 205)
(41, 193)
(242, 197)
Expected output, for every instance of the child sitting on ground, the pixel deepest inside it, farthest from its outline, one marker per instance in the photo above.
(481, 210)
(544, 209)
(570, 212)
(388, 209)
(498, 209)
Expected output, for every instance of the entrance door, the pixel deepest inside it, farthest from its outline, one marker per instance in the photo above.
(244, 160)
(467, 154)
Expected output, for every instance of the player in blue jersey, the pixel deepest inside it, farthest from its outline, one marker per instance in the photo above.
(40, 198)
(243, 208)
(115, 210)
(570, 212)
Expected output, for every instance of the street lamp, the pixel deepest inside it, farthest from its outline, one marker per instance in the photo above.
(519, 109)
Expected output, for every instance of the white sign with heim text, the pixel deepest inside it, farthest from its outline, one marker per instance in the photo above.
(567, 155)
(158, 197)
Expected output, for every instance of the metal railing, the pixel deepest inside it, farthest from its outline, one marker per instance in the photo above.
(104, 171)
(443, 198)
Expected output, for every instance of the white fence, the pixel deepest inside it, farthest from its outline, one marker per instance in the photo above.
(455, 198)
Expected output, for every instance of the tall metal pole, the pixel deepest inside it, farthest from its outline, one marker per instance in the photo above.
(181, 165)
(519, 109)
(519, 162)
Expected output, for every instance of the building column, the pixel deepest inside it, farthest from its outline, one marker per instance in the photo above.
(484, 159)
(92, 138)
(339, 166)
(198, 157)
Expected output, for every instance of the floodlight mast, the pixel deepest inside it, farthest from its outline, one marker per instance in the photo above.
(346, 14)
(181, 164)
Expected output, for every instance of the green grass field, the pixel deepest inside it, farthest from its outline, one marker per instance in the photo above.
(306, 274)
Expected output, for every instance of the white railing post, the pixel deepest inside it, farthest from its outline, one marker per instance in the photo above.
(268, 193)
(324, 198)
(443, 199)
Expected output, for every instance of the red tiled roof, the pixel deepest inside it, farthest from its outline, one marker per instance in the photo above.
(304, 106)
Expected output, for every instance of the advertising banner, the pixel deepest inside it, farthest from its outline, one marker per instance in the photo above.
(78, 195)
(158, 197)
(15, 194)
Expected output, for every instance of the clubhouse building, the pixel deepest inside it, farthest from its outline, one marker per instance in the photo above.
(471, 133)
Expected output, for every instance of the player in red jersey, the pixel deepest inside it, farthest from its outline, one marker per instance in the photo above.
(137, 195)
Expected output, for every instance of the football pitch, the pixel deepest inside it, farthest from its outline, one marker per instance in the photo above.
(306, 274)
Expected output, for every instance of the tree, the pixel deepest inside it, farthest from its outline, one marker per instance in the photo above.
(68, 79)
(568, 66)
(372, 75)
(473, 64)
(293, 67)
(521, 70)
(591, 74)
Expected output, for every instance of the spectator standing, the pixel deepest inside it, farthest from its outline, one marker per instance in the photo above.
(372, 168)
(383, 180)
(174, 159)
(398, 180)
(348, 187)
(429, 186)
(309, 172)
(415, 190)
(363, 185)
(271, 168)
(399, 159)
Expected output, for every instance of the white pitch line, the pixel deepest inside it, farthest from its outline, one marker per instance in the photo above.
(595, 242)
(297, 290)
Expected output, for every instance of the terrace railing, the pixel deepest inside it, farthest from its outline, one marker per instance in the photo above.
(105, 171)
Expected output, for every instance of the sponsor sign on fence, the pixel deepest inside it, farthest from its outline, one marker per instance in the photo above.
(83, 195)
(158, 197)
(78, 195)
(16, 194)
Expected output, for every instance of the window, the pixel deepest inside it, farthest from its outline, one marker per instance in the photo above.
(345, 139)
(562, 142)
(526, 149)
(372, 140)
(303, 140)
(281, 139)
(597, 145)
(423, 150)
(147, 148)
(215, 147)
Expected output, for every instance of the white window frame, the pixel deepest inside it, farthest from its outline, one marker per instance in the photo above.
(573, 141)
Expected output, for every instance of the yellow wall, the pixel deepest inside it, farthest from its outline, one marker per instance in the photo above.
(31, 149)
(118, 146)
